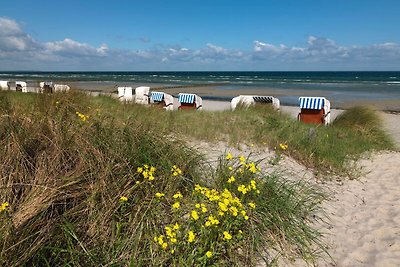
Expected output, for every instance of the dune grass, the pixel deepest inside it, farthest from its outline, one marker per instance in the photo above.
(90, 182)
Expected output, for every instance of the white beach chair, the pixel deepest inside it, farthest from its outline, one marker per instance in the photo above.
(125, 94)
(251, 100)
(21, 86)
(4, 85)
(163, 100)
(61, 88)
(46, 87)
(142, 95)
(315, 110)
(190, 101)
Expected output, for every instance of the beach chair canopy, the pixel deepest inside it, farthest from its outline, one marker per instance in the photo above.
(142, 95)
(186, 98)
(312, 102)
(4, 85)
(157, 96)
(263, 99)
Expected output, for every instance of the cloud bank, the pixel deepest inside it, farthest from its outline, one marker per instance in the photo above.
(19, 51)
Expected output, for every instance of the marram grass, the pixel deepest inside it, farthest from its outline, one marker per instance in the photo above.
(86, 182)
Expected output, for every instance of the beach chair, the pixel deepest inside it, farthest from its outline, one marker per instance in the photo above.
(162, 100)
(142, 95)
(189, 101)
(4, 85)
(315, 110)
(21, 87)
(61, 88)
(46, 87)
(125, 94)
(251, 100)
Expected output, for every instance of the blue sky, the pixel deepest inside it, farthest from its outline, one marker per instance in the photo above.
(200, 35)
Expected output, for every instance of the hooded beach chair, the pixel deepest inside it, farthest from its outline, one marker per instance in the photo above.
(162, 100)
(251, 100)
(61, 88)
(46, 87)
(4, 85)
(142, 95)
(21, 87)
(125, 94)
(314, 110)
(190, 101)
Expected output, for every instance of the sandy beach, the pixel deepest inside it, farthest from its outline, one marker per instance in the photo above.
(362, 228)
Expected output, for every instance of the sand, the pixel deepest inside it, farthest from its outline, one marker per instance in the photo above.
(363, 223)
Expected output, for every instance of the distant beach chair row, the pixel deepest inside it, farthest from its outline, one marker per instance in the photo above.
(44, 87)
(314, 110)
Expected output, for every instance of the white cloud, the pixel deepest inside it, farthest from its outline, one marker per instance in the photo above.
(18, 50)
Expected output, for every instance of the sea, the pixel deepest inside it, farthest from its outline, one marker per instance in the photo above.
(338, 86)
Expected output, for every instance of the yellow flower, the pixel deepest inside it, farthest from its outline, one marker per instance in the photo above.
(175, 171)
(234, 211)
(283, 146)
(172, 251)
(4, 206)
(139, 170)
(176, 205)
(177, 195)
(227, 235)
(230, 168)
(164, 245)
(209, 254)
(252, 167)
(194, 215)
(231, 179)
(191, 236)
(252, 205)
(123, 199)
(159, 195)
(242, 189)
(176, 226)
(242, 159)
(197, 206)
(229, 156)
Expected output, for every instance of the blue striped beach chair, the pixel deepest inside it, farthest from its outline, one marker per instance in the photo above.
(251, 100)
(189, 101)
(315, 110)
(162, 100)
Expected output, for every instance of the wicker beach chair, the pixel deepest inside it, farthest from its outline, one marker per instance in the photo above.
(125, 94)
(46, 87)
(315, 110)
(189, 101)
(162, 100)
(251, 100)
(21, 87)
(4, 85)
(142, 94)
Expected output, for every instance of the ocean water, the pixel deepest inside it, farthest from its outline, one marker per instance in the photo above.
(339, 86)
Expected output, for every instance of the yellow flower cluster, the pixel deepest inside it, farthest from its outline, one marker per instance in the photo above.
(147, 172)
(202, 207)
(211, 221)
(227, 235)
(159, 195)
(81, 116)
(4, 206)
(176, 171)
(171, 234)
(191, 236)
(229, 156)
(283, 146)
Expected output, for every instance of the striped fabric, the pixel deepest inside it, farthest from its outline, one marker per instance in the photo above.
(157, 96)
(186, 98)
(263, 99)
(312, 102)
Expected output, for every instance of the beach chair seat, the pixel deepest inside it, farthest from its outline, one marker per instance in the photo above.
(162, 100)
(189, 102)
(315, 110)
(251, 100)
(142, 95)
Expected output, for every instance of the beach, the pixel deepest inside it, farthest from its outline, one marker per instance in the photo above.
(361, 227)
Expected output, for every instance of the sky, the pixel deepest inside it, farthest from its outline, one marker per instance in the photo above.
(191, 35)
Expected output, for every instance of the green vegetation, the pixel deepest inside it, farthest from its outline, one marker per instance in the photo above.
(90, 182)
